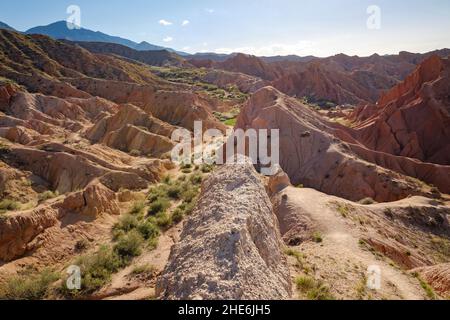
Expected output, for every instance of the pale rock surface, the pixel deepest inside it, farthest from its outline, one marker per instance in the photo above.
(230, 248)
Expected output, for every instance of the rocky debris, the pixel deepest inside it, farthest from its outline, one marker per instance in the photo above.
(437, 276)
(320, 160)
(413, 118)
(230, 247)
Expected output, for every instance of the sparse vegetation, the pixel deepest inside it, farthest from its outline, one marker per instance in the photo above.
(143, 269)
(426, 287)
(47, 195)
(129, 246)
(81, 245)
(137, 208)
(317, 237)
(159, 206)
(367, 201)
(96, 270)
(343, 209)
(441, 245)
(313, 289)
(135, 153)
(9, 205)
(297, 255)
(230, 122)
(29, 286)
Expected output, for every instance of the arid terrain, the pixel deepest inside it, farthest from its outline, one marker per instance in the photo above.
(87, 180)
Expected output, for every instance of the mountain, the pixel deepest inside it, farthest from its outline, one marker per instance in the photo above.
(150, 57)
(289, 58)
(59, 30)
(5, 26)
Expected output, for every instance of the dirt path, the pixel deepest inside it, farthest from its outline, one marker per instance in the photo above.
(341, 244)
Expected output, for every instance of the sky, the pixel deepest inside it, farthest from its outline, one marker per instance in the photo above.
(259, 27)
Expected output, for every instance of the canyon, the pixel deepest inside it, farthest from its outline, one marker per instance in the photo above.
(86, 176)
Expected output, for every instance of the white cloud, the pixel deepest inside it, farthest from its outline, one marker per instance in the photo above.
(210, 10)
(165, 23)
(185, 23)
(186, 48)
(274, 49)
(168, 39)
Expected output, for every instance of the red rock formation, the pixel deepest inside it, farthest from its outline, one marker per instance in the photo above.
(312, 155)
(413, 119)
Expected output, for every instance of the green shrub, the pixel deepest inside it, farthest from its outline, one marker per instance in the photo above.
(163, 220)
(313, 289)
(367, 201)
(305, 283)
(96, 270)
(317, 237)
(148, 230)
(157, 193)
(174, 192)
(186, 166)
(189, 195)
(135, 153)
(47, 195)
(178, 215)
(196, 179)
(159, 206)
(9, 205)
(230, 122)
(28, 287)
(126, 224)
(167, 179)
(81, 245)
(138, 208)
(207, 168)
(129, 246)
(142, 269)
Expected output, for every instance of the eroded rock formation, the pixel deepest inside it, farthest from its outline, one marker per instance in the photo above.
(230, 248)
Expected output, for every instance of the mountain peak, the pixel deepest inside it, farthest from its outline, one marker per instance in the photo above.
(5, 26)
(59, 30)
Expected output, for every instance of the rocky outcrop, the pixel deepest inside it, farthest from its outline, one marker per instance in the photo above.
(67, 172)
(413, 119)
(133, 129)
(93, 201)
(250, 65)
(312, 155)
(18, 231)
(26, 231)
(438, 277)
(230, 248)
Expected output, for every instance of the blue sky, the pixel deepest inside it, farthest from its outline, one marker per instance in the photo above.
(261, 27)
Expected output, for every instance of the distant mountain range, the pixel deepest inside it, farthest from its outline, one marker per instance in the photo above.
(60, 31)
(5, 26)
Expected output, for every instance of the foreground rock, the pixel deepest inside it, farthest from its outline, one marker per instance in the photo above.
(230, 248)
